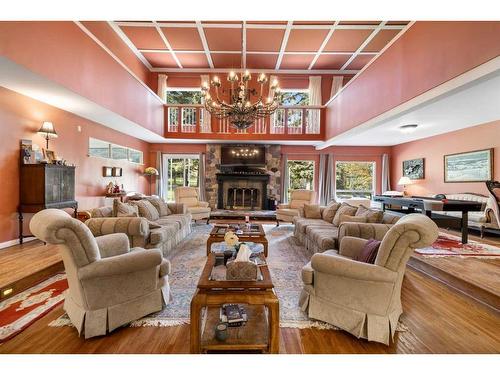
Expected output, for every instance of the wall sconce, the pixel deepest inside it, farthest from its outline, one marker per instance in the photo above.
(47, 131)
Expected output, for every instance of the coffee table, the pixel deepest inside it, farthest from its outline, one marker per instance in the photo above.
(261, 332)
(253, 233)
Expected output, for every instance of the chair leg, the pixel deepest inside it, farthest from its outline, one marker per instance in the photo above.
(482, 231)
(208, 220)
(277, 223)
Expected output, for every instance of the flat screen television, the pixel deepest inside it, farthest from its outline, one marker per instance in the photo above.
(243, 155)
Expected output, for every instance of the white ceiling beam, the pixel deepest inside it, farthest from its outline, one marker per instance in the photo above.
(187, 51)
(205, 44)
(278, 71)
(255, 52)
(244, 45)
(283, 44)
(323, 45)
(129, 43)
(167, 44)
(364, 44)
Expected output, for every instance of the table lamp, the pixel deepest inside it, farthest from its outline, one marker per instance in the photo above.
(405, 181)
(150, 172)
(47, 131)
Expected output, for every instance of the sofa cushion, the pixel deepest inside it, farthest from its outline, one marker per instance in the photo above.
(324, 238)
(288, 212)
(388, 218)
(312, 211)
(160, 205)
(301, 224)
(352, 219)
(372, 216)
(298, 203)
(344, 209)
(162, 234)
(121, 209)
(146, 209)
(330, 211)
(368, 253)
(106, 211)
(181, 220)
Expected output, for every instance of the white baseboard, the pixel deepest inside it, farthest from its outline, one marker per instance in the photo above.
(10, 243)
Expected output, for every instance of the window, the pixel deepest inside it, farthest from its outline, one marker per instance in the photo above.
(300, 174)
(182, 170)
(294, 97)
(183, 96)
(107, 150)
(354, 179)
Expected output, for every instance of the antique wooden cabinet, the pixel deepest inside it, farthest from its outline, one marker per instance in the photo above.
(45, 186)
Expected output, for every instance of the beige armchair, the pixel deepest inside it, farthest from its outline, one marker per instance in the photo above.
(299, 197)
(109, 283)
(189, 196)
(362, 298)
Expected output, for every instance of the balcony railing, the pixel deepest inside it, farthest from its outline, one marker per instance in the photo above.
(286, 122)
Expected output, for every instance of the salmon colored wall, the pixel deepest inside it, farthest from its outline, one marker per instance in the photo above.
(433, 150)
(63, 53)
(21, 117)
(425, 56)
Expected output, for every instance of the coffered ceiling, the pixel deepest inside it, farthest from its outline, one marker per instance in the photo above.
(337, 47)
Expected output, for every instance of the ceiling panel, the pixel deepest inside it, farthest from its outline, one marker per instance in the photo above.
(261, 61)
(226, 60)
(264, 40)
(305, 40)
(160, 60)
(144, 37)
(331, 61)
(296, 61)
(181, 38)
(380, 40)
(359, 62)
(223, 39)
(346, 40)
(192, 60)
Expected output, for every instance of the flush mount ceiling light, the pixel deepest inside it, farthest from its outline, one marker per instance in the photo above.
(410, 128)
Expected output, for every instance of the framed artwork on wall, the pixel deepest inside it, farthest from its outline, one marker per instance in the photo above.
(117, 172)
(414, 169)
(107, 171)
(472, 166)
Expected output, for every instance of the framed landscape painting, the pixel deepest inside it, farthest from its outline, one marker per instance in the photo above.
(473, 166)
(414, 169)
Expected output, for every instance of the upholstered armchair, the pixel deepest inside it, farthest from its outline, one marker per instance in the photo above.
(299, 197)
(363, 298)
(493, 211)
(109, 283)
(189, 196)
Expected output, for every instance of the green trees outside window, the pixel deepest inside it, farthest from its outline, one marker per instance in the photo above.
(354, 179)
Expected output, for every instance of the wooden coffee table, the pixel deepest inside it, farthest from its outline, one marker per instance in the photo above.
(261, 332)
(255, 233)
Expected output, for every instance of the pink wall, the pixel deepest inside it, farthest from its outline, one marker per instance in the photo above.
(434, 148)
(427, 55)
(21, 117)
(63, 53)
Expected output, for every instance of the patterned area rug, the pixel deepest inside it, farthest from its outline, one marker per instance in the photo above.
(448, 245)
(23, 309)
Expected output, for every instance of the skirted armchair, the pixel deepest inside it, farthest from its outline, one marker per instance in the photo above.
(299, 197)
(362, 298)
(109, 283)
(189, 196)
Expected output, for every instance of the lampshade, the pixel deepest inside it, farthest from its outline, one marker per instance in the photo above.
(48, 130)
(405, 181)
(150, 171)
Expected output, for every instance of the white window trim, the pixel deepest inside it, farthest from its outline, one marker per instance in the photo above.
(110, 154)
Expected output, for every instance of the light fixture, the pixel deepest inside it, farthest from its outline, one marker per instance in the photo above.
(47, 131)
(405, 181)
(241, 111)
(410, 128)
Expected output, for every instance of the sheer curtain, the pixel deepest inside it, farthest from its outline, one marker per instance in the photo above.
(386, 180)
(159, 178)
(206, 118)
(326, 179)
(271, 94)
(201, 177)
(337, 83)
(314, 99)
(162, 86)
(285, 179)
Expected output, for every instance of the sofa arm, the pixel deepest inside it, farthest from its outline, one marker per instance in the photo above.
(177, 208)
(202, 204)
(114, 244)
(363, 230)
(351, 246)
(121, 264)
(283, 205)
(352, 269)
(131, 226)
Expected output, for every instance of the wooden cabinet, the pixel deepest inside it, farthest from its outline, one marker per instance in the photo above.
(44, 186)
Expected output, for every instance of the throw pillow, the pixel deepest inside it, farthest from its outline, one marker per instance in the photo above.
(121, 209)
(160, 206)
(352, 219)
(146, 209)
(330, 211)
(344, 209)
(372, 216)
(312, 211)
(369, 252)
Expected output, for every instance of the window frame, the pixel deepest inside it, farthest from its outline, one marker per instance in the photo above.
(165, 158)
(313, 184)
(295, 90)
(374, 177)
(110, 152)
(186, 89)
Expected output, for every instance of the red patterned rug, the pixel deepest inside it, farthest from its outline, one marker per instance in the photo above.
(23, 309)
(449, 245)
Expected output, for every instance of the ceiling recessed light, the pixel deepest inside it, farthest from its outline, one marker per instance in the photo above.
(408, 128)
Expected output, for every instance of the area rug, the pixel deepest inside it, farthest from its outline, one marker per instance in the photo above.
(23, 309)
(286, 259)
(448, 245)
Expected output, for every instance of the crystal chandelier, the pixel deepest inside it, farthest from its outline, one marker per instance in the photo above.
(241, 111)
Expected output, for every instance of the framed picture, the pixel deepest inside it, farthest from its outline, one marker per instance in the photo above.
(107, 171)
(472, 166)
(27, 153)
(49, 155)
(117, 172)
(414, 169)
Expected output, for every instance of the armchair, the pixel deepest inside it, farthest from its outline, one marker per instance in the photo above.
(493, 211)
(362, 298)
(109, 283)
(189, 196)
(299, 197)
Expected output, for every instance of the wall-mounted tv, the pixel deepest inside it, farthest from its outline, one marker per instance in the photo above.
(250, 155)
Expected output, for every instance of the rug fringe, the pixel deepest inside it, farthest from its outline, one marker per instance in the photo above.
(159, 322)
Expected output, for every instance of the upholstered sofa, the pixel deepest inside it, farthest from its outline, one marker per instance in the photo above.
(321, 234)
(187, 195)
(295, 207)
(360, 297)
(155, 227)
(110, 284)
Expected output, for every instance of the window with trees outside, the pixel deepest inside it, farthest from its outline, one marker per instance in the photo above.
(181, 170)
(354, 179)
(188, 115)
(301, 175)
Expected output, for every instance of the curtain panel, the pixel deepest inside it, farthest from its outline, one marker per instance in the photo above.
(326, 179)
(337, 83)
(314, 115)
(386, 180)
(162, 87)
(206, 117)
(201, 177)
(285, 179)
